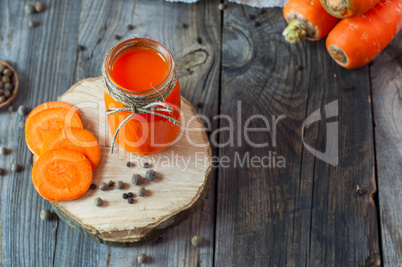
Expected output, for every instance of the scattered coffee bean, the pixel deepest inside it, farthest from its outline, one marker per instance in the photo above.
(117, 37)
(252, 17)
(22, 110)
(146, 165)
(7, 93)
(2, 172)
(39, 7)
(22, 125)
(124, 196)
(15, 167)
(129, 164)
(5, 79)
(110, 183)
(8, 86)
(8, 72)
(98, 202)
(2, 99)
(142, 192)
(137, 179)
(196, 241)
(200, 105)
(33, 24)
(46, 215)
(120, 185)
(81, 48)
(92, 186)
(199, 40)
(184, 25)
(257, 24)
(130, 195)
(151, 175)
(29, 8)
(130, 200)
(299, 67)
(130, 27)
(222, 6)
(3, 150)
(103, 187)
(142, 258)
(11, 108)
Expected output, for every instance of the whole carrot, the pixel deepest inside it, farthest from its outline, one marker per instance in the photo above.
(354, 42)
(348, 8)
(307, 19)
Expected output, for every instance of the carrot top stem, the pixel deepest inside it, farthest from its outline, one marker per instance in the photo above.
(294, 32)
(338, 7)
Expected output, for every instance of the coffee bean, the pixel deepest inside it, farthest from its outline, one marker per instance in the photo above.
(33, 24)
(29, 8)
(5, 79)
(8, 86)
(7, 72)
(39, 7)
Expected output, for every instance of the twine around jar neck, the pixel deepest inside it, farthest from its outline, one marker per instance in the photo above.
(151, 101)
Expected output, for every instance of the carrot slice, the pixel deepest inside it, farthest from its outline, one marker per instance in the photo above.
(41, 124)
(52, 104)
(62, 174)
(77, 139)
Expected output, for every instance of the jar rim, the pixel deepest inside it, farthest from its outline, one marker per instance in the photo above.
(141, 42)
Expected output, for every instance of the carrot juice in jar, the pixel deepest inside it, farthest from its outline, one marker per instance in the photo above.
(144, 70)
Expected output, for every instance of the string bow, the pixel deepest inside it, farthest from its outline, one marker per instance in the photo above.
(153, 108)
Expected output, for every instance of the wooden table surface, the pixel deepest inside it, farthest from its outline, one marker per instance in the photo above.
(309, 213)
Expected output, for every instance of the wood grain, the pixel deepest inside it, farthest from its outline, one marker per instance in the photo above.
(310, 214)
(386, 74)
(42, 58)
(307, 213)
(163, 21)
(184, 171)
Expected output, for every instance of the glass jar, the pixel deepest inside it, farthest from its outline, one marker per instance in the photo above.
(130, 66)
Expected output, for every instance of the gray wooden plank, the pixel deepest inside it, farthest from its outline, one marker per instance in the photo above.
(42, 58)
(308, 213)
(177, 26)
(386, 80)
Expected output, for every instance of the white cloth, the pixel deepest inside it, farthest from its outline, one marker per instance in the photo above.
(254, 3)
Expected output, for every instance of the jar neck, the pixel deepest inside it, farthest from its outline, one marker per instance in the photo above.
(135, 43)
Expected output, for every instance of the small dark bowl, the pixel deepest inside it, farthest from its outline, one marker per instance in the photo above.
(16, 85)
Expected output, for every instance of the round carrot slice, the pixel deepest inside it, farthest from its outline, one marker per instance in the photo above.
(41, 124)
(52, 104)
(62, 174)
(77, 139)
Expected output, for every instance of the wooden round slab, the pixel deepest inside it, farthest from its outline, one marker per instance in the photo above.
(184, 171)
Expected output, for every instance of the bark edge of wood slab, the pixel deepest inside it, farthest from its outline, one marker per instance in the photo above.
(131, 233)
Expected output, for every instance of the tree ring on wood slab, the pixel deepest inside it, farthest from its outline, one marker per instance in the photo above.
(170, 199)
